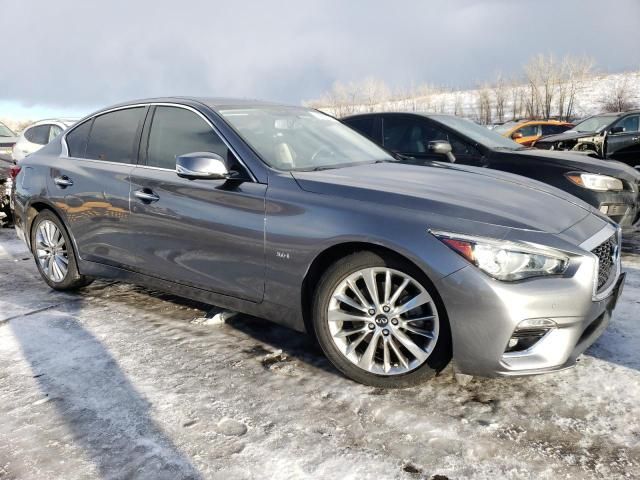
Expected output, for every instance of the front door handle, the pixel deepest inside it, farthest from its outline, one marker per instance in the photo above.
(63, 181)
(146, 196)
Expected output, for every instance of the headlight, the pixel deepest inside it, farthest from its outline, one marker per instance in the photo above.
(594, 181)
(506, 261)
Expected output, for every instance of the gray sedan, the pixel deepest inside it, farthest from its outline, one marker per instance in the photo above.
(287, 214)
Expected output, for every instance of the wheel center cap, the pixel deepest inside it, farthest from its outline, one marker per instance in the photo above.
(381, 321)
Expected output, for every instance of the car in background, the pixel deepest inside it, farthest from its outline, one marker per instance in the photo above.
(526, 132)
(7, 139)
(611, 187)
(610, 136)
(285, 213)
(37, 135)
(8, 171)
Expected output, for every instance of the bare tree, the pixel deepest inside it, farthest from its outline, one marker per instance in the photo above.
(618, 98)
(573, 73)
(483, 102)
(542, 73)
(499, 97)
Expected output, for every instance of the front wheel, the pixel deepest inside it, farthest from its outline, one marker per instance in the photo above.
(53, 251)
(378, 321)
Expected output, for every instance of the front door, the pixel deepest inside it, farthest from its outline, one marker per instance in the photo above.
(624, 146)
(207, 234)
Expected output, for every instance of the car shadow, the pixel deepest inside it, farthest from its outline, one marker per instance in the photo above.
(99, 406)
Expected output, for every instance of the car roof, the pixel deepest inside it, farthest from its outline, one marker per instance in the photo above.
(62, 121)
(215, 103)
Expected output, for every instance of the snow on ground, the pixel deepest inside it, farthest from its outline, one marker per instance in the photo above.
(122, 382)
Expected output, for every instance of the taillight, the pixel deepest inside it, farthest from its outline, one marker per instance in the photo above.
(14, 171)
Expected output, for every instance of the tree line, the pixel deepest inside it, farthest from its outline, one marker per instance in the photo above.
(547, 88)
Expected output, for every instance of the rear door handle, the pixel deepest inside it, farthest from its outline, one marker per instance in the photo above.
(146, 196)
(63, 181)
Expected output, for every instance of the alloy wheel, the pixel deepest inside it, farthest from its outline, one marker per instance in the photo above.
(383, 320)
(51, 251)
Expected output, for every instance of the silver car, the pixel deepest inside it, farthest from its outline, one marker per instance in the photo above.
(289, 215)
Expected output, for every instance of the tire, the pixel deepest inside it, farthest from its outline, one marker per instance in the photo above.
(350, 329)
(50, 239)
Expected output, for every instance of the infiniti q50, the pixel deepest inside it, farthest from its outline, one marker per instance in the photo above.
(287, 214)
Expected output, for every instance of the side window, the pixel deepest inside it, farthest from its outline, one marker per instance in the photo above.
(554, 129)
(176, 131)
(364, 125)
(528, 131)
(630, 123)
(54, 131)
(77, 139)
(38, 134)
(412, 136)
(113, 135)
(403, 134)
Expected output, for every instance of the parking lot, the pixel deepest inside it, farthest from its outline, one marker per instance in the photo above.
(122, 382)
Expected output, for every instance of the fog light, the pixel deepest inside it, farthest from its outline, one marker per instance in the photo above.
(528, 333)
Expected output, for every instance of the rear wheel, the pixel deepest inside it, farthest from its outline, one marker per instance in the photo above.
(53, 251)
(379, 322)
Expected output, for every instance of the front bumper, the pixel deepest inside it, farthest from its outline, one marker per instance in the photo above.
(484, 314)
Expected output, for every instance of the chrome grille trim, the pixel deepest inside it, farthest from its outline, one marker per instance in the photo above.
(602, 291)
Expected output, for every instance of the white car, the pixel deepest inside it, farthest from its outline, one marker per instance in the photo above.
(36, 136)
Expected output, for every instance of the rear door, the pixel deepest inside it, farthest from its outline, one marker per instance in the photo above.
(625, 146)
(90, 185)
(207, 234)
(410, 135)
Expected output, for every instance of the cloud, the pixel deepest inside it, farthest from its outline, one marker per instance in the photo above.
(78, 53)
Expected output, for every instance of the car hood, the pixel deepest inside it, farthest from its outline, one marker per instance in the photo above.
(455, 192)
(579, 162)
(568, 135)
(8, 140)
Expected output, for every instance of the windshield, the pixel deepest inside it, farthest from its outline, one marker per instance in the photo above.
(5, 132)
(504, 128)
(594, 124)
(478, 133)
(296, 138)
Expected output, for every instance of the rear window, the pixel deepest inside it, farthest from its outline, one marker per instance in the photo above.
(113, 135)
(38, 134)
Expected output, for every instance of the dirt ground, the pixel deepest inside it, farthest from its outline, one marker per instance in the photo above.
(121, 382)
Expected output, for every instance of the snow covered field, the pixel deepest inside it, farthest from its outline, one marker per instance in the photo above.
(121, 382)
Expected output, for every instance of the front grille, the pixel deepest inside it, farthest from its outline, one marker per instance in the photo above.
(607, 257)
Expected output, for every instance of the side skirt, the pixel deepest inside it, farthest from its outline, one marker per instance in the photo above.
(276, 313)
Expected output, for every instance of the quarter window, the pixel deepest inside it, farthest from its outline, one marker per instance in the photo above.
(113, 135)
(176, 131)
(38, 134)
(77, 139)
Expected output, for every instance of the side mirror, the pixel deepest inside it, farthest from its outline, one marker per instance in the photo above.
(637, 167)
(517, 135)
(203, 165)
(441, 147)
(616, 130)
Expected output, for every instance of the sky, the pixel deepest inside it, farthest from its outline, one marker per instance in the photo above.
(68, 58)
